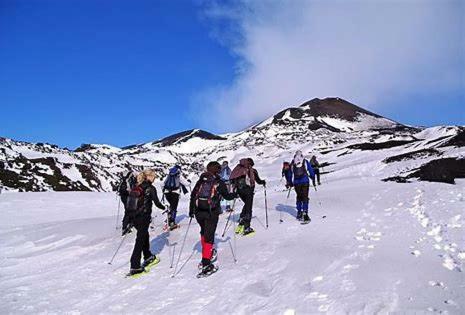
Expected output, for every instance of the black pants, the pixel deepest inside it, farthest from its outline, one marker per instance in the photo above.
(124, 199)
(141, 223)
(208, 221)
(173, 200)
(317, 175)
(301, 191)
(246, 194)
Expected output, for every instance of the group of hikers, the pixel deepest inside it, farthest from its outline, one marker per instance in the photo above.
(217, 185)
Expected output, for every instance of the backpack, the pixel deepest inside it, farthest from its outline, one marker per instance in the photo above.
(300, 171)
(225, 173)
(172, 181)
(135, 203)
(240, 175)
(207, 195)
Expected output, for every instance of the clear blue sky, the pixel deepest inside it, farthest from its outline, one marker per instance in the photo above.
(125, 72)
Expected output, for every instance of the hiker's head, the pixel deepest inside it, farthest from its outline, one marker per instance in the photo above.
(214, 168)
(146, 175)
(251, 162)
(177, 166)
(225, 163)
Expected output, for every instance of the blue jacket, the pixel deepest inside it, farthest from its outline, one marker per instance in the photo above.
(310, 173)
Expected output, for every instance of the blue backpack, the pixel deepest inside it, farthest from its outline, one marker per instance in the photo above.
(172, 181)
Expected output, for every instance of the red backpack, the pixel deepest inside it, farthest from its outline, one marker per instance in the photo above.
(135, 202)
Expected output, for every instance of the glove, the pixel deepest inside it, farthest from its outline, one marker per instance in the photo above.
(127, 229)
(264, 183)
(191, 213)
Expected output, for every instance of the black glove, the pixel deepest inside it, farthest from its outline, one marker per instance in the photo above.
(264, 183)
(127, 229)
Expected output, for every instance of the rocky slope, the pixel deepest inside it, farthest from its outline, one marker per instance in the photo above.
(337, 131)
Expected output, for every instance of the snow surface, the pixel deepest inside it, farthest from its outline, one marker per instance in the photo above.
(372, 247)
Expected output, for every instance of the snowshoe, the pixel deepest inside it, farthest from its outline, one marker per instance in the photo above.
(136, 272)
(150, 262)
(207, 271)
(248, 231)
(212, 260)
(305, 219)
(239, 229)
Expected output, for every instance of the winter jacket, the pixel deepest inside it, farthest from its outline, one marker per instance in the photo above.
(150, 195)
(221, 190)
(225, 173)
(305, 179)
(314, 163)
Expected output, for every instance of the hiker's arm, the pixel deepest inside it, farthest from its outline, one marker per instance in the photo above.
(154, 198)
(310, 170)
(258, 179)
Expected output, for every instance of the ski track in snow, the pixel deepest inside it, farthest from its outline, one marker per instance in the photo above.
(394, 248)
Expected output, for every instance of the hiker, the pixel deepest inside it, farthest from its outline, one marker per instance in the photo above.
(316, 167)
(286, 172)
(225, 173)
(302, 171)
(172, 187)
(139, 206)
(243, 178)
(206, 207)
(128, 181)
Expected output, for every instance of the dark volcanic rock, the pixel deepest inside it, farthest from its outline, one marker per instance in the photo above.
(412, 155)
(442, 170)
(186, 135)
(379, 145)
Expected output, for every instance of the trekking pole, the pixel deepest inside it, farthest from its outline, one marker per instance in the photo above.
(229, 218)
(266, 209)
(182, 247)
(117, 216)
(117, 250)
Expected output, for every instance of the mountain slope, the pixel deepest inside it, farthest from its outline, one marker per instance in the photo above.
(330, 127)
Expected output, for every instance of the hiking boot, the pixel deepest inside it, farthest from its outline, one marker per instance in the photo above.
(151, 260)
(135, 271)
(214, 255)
(248, 231)
(228, 208)
(305, 217)
(299, 215)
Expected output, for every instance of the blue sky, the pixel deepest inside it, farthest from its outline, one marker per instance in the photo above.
(124, 72)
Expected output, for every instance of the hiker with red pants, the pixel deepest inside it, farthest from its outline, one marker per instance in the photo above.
(244, 177)
(302, 171)
(205, 205)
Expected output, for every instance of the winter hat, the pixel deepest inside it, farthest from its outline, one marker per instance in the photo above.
(214, 167)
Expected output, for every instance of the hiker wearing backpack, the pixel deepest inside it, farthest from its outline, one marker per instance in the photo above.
(139, 207)
(128, 181)
(244, 177)
(316, 167)
(286, 172)
(206, 207)
(225, 174)
(172, 187)
(302, 171)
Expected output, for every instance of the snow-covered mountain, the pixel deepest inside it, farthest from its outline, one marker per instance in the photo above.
(330, 128)
(374, 246)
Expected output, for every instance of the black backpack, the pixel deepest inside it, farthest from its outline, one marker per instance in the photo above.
(207, 194)
(300, 171)
(135, 203)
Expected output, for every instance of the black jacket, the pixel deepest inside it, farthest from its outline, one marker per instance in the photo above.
(222, 191)
(150, 195)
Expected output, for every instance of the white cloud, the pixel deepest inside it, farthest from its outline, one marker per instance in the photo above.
(364, 51)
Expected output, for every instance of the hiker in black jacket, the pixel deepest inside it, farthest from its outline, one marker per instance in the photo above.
(140, 216)
(244, 177)
(206, 207)
(316, 167)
